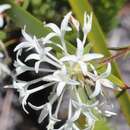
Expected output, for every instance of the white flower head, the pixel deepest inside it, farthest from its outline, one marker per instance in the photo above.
(71, 73)
(3, 8)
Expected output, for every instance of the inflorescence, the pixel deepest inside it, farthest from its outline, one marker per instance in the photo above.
(76, 73)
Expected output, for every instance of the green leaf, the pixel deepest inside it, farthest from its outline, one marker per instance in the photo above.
(97, 38)
(116, 81)
(25, 4)
(22, 18)
(34, 26)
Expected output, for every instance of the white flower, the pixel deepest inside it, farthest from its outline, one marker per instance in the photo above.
(80, 58)
(32, 42)
(72, 73)
(60, 32)
(62, 78)
(42, 53)
(22, 67)
(3, 8)
(63, 28)
(44, 57)
(101, 80)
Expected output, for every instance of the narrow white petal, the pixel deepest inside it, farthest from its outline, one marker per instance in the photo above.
(97, 90)
(39, 88)
(61, 128)
(59, 46)
(47, 49)
(26, 35)
(4, 7)
(36, 107)
(52, 62)
(22, 45)
(85, 21)
(18, 85)
(53, 57)
(68, 29)
(83, 68)
(43, 113)
(107, 83)
(54, 27)
(50, 78)
(91, 75)
(33, 56)
(89, 57)
(60, 88)
(94, 70)
(69, 58)
(24, 103)
(65, 21)
(80, 48)
(37, 64)
(70, 110)
(48, 37)
(76, 104)
(109, 113)
(76, 115)
(107, 72)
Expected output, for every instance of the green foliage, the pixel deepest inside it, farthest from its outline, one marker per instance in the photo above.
(105, 11)
(54, 10)
(49, 10)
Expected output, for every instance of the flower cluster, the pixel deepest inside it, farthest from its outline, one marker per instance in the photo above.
(73, 73)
